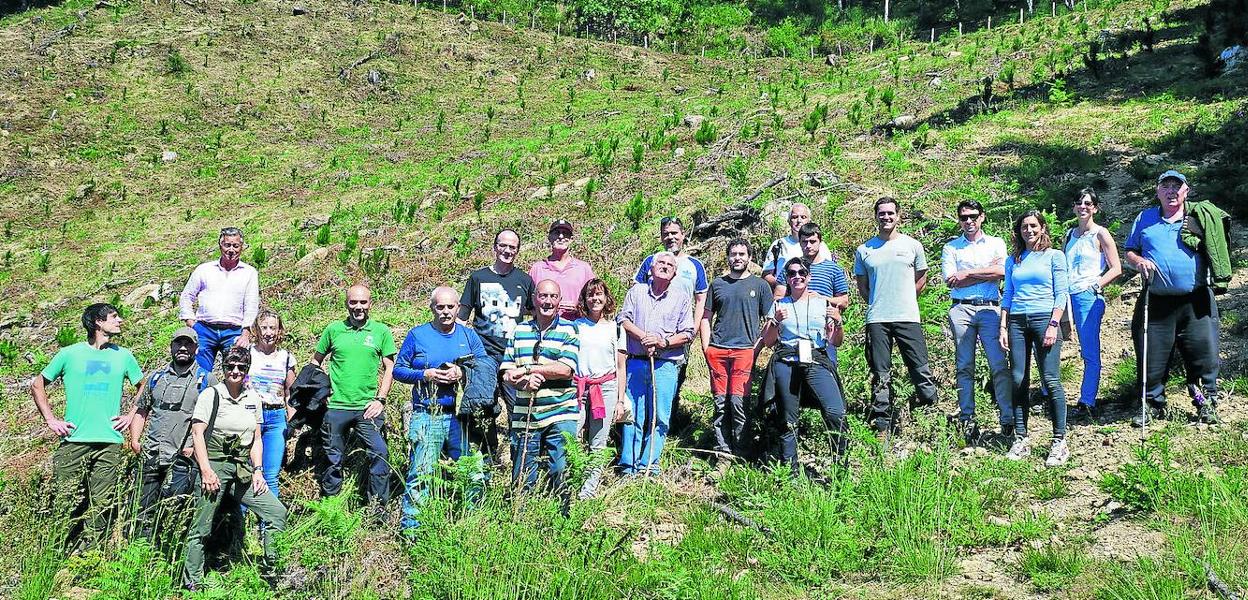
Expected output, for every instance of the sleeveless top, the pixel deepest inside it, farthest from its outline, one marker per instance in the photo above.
(1084, 260)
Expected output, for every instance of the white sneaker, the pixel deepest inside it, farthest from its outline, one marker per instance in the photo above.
(1059, 453)
(1021, 448)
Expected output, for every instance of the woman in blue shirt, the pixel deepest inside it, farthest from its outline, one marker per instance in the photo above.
(1092, 263)
(1036, 291)
(805, 323)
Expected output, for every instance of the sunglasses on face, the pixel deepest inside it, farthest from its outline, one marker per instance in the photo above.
(240, 367)
(797, 272)
(970, 217)
(1084, 203)
(537, 349)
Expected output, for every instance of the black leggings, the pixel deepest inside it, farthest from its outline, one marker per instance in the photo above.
(819, 382)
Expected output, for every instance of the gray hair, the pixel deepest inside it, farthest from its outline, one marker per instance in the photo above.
(230, 232)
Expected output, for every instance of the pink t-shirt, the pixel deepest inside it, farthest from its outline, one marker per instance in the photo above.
(571, 278)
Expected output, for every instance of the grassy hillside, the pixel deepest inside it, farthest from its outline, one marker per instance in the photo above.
(386, 143)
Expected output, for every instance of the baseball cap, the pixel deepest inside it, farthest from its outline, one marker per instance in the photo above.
(187, 332)
(1172, 174)
(560, 224)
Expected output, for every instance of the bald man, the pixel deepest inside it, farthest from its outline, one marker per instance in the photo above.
(789, 247)
(433, 360)
(358, 350)
(539, 362)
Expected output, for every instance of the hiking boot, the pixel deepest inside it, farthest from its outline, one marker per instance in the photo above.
(1158, 413)
(1059, 453)
(1083, 412)
(1021, 448)
(1207, 413)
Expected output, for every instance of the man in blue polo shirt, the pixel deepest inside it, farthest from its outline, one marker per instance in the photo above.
(1181, 307)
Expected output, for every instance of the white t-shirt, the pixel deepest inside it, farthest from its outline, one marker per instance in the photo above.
(600, 342)
(789, 248)
(267, 376)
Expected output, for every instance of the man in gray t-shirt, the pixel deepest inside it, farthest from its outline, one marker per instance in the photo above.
(166, 401)
(891, 270)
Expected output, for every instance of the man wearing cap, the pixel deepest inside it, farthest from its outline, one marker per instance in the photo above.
(1181, 306)
(165, 404)
(564, 269)
(973, 264)
(360, 356)
(790, 246)
(88, 461)
(658, 320)
(221, 299)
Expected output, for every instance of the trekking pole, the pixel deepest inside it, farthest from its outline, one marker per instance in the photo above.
(1144, 368)
(654, 418)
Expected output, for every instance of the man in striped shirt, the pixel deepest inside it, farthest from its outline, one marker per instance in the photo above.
(538, 362)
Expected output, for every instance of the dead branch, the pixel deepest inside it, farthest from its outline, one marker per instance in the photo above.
(773, 182)
(732, 515)
(1218, 586)
(54, 37)
(390, 46)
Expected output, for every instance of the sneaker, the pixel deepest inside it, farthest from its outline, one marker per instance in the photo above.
(1207, 413)
(1021, 448)
(969, 430)
(1059, 453)
(1083, 412)
(1159, 413)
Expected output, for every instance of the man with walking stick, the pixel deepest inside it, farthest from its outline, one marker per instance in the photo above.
(658, 318)
(1181, 251)
(539, 362)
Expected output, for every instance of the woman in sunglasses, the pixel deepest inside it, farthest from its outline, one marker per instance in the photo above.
(1035, 295)
(226, 433)
(805, 324)
(1092, 261)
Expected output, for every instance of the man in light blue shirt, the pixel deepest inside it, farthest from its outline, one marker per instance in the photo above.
(973, 265)
(1181, 307)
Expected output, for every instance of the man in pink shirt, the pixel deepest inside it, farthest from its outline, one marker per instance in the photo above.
(561, 267)
(221, 299)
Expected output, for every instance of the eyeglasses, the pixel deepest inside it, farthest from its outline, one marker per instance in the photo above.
(240, 367)
(970, 217)
(797, 272)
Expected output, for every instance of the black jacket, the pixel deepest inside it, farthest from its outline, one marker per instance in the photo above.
(309, 397)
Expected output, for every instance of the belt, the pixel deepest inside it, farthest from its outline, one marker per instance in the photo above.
(219, 326)
(432, 408)
(648, 357)
(273, 406)
(977, 302)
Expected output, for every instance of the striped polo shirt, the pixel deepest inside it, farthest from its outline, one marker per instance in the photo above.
(555, 401)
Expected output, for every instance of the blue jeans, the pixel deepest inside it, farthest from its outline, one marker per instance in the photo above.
(432, 436)
(638, 452)
(273, 439)
(531, 443)
(972, 327)
(212, 342)
(1088, 309)
(1027, 332)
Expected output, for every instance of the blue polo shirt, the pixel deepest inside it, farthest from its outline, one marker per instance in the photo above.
(1179, 268)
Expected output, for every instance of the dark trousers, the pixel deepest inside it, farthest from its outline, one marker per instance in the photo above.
(814, 380)
(164, 489)
(85, 475)
(334, 430)
(1026, 340)
(1190, 322)
(909, 339)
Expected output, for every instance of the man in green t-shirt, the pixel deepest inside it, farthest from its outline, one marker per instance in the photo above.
(86, 465)
(355, 351)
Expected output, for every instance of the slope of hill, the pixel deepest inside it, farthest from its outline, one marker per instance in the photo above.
(384, 143)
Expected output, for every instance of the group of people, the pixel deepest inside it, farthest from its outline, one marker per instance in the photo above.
(562, 358)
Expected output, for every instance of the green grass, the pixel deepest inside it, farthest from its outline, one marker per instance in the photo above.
(1052, 568)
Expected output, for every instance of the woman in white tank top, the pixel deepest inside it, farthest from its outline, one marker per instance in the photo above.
(1092, 263)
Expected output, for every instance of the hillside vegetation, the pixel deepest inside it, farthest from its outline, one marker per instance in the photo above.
(378, 142)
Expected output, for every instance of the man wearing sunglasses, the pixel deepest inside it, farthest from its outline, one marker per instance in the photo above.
(221, 299)
(658, 320)
(356, 350)
(564, 269)
(539, 362)
(891, 270)
(973, 265)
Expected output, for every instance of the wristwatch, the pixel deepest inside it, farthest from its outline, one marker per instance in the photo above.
(1054, 323)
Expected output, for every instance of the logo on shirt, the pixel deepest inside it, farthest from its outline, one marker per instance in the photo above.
(499, 310)
(368, 341)
(98, 366)
(751, 293)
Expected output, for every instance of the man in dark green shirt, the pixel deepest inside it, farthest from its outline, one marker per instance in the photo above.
(355, 350)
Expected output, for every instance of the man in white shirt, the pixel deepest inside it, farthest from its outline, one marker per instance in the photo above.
(973, 265)
(221, 300)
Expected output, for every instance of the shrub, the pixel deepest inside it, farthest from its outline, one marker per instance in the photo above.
(66, 336)
(706, 134)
